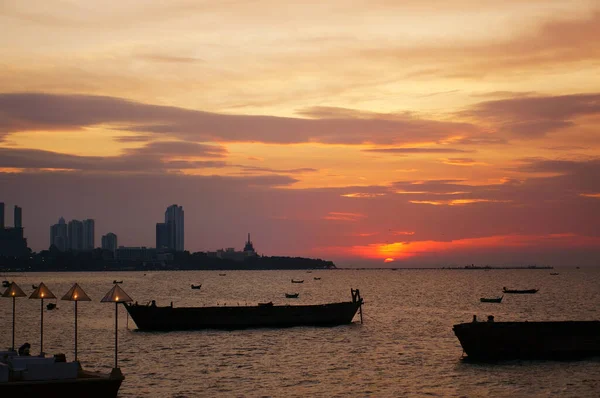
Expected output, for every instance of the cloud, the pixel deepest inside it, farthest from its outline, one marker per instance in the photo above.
(532, 117)
(50, 112)
(406, 151)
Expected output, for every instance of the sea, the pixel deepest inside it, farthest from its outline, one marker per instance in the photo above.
(404, 346)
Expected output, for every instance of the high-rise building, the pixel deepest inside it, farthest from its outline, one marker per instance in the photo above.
(175, 227)
(89, 241)
(59, 235)
(162, 236)
(12, 242)
(18, 217)
(75, 235)
(109, 242)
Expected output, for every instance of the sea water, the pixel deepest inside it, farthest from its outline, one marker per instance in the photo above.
(404, 347)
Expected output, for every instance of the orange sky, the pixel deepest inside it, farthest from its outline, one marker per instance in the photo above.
(421, 132)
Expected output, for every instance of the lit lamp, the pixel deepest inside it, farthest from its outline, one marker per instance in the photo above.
(13, 291)
(76, 294)
(41, 293)
(116, 295)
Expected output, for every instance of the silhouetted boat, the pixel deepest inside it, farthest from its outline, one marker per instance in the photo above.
(50, 306)
(317, 279)
(516, 291)
(152, 317)
(553, 273)
(196, 286)
(45, 377)
(298, 281)
(292, 295)
(34, 287)
(491, 300)
(5, 283)
(116, 281)
(529, 340)
(222, 274)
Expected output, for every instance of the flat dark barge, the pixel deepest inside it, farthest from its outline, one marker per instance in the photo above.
(529, 340)
(266, 315)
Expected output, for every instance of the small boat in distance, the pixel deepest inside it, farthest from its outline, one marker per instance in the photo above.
(529, 340)
(222, 274)
(292, 295)
(50, 306)
(317, 278)
(116, 281)
(262, 315)
(491, 300)
(517, 291)
(298, 281)
(34, 287)
(5, 283)
(553, 273)
(197, 287)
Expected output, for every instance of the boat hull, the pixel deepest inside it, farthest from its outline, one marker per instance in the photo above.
(89, 385)
(529, 340)
(150, 318)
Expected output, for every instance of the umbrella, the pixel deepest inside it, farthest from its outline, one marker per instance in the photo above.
(76, 294)
(13, 291)
(116, 295)
(41, 293)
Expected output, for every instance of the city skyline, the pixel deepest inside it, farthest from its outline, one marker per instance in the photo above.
(373, 133)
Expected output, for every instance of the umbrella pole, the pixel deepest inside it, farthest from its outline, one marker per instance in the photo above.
(42, 327)
(13, 334)
(75, 331)
(116, 330)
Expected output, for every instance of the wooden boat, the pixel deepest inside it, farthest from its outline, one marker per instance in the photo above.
(292, 295)
(491, 300)
(116, 281)
(298, 281)
(196, 286)
(155, 318)
(529, 340)
(48, 377)
(516, 291)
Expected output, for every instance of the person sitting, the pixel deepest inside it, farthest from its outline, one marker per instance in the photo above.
(24, 350)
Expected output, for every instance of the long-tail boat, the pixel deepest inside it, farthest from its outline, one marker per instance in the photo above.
(152, 317)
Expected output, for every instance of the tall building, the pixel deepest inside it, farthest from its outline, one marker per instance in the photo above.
(109, 242)
(59, 235)
(75, 235)
(162, 236)
(12, 242)
(175, 227)
(18, 217)
(89, 241)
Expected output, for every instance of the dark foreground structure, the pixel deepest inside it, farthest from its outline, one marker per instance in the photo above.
(529, 340)
(85, 384)
(265, 315)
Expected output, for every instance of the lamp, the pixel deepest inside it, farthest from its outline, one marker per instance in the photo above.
(41, 293)
(116, 295)
(76, 294)
(13, 291)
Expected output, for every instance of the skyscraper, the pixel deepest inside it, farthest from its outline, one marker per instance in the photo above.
(58, 235)
(175, 227)
(109, 242)
(18, 217)
(75, 235)
(89, 241)
(1, 215)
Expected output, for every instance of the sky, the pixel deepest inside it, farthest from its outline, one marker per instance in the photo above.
(372, 133)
